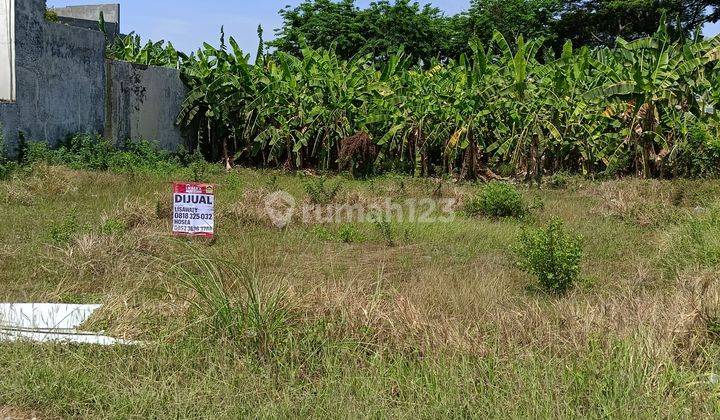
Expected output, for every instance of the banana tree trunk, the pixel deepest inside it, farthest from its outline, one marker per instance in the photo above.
(418, 153)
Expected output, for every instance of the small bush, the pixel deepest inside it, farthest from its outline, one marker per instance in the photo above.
(113, 227)
(552, 255)
(384, 226)
(61, 233)
(558, 180)
(320, 192)
(199, 166)
(86, 151)
(38, 152)
(498, 200)
(6, 169)
(698, 155)
(51, 16)
(349, 234)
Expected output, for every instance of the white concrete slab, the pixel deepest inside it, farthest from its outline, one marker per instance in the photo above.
(50, 322)
(69, 338)
(44, 316)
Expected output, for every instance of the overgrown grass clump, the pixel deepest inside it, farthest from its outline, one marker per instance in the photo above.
(498, 200)
(321, 192)
(694, 243)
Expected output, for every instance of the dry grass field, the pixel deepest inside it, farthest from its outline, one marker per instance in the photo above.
(418, 320)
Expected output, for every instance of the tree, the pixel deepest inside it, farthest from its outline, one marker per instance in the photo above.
(601, 22)
(382, 28)
(321, 24)
(424, 31)
(512, 18)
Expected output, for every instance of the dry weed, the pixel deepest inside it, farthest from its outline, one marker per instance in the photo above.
(45, 181)
(644, 202)
(250, 210)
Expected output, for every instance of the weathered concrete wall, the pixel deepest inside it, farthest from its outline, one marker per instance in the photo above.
(143, 103)
(88, 17)
(60, 76)
(7, 50)
(65, 86)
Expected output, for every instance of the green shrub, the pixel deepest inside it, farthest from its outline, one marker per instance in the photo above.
(349, 234)
(552, 255)
(558, 180)
(52, 16)
(498, 200)
(699, 154)
(86, 151)
(113, 227)
(7, 168)
(199, 167)
(384, 227)
(694, 242)
(37, 152)
(62, 232)
(320, 192)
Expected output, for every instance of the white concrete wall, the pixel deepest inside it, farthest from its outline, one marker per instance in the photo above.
(7, 50)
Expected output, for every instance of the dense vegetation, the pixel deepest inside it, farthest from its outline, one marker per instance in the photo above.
(507, 107)
(646, 106)
(428, 34)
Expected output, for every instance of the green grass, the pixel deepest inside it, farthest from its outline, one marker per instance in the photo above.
(330, 321)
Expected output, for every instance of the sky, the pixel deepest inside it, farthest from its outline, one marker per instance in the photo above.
(189, 23)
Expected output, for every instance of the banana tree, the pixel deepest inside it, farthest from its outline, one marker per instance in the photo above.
(528, 125)
(220, 85)
(653, 77)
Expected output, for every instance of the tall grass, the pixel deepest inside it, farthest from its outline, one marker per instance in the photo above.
(695, 242)
(236, 305)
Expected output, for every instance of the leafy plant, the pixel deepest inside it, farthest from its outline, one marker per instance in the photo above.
(699, 154)
(130, 48)
(349, 234)
(62, 232)
(320, 192)
(384, 226)
(498, 200)
(552, 255)
(51, 16)
(113, 227)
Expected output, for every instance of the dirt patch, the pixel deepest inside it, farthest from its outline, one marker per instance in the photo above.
(13, 413)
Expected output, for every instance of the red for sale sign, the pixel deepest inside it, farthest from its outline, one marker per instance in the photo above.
(193, 209)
